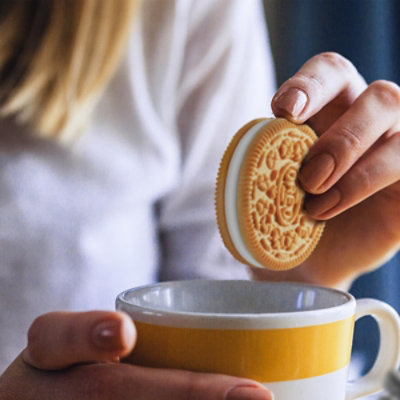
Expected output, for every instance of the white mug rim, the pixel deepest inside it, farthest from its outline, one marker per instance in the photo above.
(208, 320)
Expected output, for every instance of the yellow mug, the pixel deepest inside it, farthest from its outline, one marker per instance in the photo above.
(294, 338)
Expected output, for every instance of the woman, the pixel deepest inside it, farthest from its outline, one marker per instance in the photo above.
(114, 120)
(132, 195)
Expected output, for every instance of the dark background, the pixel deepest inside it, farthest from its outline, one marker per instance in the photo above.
(367, 32)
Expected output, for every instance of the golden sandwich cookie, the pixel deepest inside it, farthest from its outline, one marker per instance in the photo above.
(259, 202)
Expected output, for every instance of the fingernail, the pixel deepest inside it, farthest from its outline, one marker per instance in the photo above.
(107, 336)
(248, 392)
(318, 205)
(316, 171)
(291, 102)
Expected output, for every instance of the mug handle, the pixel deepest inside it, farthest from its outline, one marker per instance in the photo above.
(388, 357)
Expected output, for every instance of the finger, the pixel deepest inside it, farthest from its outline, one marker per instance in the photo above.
(320, 80)
(374, 172)
(375, 112)
(125, 382)
(60, 339)
(141, 383)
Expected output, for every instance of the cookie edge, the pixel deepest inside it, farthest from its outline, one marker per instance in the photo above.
(220, 189)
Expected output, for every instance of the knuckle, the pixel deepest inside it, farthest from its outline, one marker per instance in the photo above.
(191, 389)
(306, 81)
(338, 61)
(199, 386)
(351, 136)
(387, 92)
(333, 61)
(196, 387)
(359, 177)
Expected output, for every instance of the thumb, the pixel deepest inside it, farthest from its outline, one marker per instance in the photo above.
(59, 339)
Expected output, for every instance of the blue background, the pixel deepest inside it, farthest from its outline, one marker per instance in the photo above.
(367, 32)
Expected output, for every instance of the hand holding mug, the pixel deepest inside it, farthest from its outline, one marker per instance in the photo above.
(295, 339)
(75, 356)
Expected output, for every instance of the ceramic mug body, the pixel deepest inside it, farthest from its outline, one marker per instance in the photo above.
(296, 339)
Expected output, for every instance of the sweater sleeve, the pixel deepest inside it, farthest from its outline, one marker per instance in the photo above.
(226, 79)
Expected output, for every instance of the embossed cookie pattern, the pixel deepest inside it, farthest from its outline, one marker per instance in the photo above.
(274, 226)
(280, 226)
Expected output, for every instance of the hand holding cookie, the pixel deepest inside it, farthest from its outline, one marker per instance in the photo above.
(352, 172)
(259, 202)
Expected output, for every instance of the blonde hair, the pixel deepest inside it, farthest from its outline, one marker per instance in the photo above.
(56, 57)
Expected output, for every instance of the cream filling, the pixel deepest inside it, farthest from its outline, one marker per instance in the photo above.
(231, 188)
